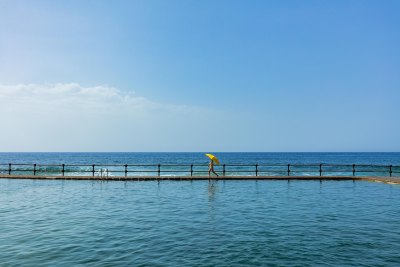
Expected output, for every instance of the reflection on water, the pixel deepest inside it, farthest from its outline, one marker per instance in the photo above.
(212, 189)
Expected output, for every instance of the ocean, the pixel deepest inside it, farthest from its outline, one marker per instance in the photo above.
(145, 164)
(199, 223)
(199, 158)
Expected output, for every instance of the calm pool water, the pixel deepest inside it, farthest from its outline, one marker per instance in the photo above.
(231, 223)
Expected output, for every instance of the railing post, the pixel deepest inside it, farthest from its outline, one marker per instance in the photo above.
(126, 170)
(354, 169)
(93, 170)
(191, 169)
(288, 170)
(159, 170)
(390, 170)
(63, 169)
(34, 169)
(223, 170)
(9, 169)
(320, 169)
(256, 169)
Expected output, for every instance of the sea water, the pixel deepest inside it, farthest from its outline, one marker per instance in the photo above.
(199, 158)
(199, 223)
(277, 163)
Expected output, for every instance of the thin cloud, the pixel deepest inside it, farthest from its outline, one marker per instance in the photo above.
(72, 117)
(55, 97)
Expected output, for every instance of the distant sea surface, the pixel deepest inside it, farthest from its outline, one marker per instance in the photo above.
(274, 163)
(199, 158)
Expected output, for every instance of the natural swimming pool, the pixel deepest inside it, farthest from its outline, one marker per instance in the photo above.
(199, 223)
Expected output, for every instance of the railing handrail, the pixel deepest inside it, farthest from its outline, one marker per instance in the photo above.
(199, 164)
(159, 169)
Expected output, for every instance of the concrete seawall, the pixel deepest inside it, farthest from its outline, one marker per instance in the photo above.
(390, 180)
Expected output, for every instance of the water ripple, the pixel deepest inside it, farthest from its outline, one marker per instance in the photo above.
(231, 223)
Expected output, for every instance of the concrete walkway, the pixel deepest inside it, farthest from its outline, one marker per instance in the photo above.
(390, 180)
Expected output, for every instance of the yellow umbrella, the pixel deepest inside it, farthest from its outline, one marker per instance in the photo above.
(213, 158)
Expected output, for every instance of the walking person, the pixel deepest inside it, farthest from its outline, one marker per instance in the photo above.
(213, 159)
(211, 168)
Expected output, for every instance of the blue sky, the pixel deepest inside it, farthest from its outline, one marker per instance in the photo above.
(200, 75)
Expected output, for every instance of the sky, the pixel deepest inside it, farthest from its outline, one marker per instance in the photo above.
(190, 75)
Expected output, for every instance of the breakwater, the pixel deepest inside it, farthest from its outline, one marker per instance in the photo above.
(198, 170)
(383, 179)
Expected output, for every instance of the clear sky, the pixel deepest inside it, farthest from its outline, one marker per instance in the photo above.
(199, 75)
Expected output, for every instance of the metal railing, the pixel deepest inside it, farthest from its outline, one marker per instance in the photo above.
(200, 169)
